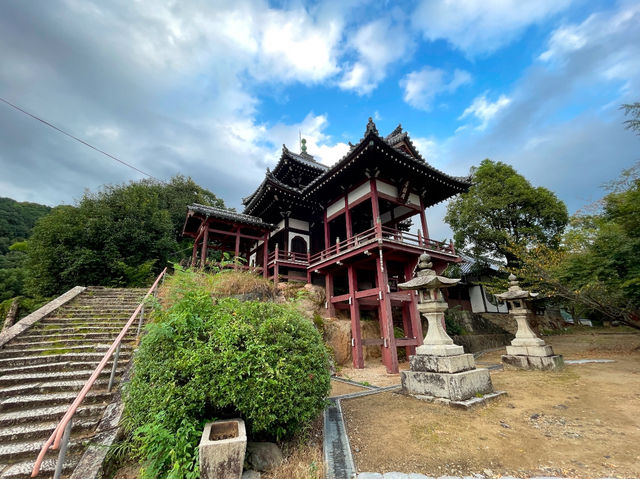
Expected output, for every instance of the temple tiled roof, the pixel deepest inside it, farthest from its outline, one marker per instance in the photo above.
(304, 158)
(391, 140)
(221, 213)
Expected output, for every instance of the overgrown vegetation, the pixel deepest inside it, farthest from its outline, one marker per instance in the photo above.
(205, 358)
(120, 236)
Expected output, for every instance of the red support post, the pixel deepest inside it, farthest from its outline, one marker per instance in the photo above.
(328, 282)
(275, 266)
(327, 235)
(265, 256)
(423, 220)
(347, 218)
(375, 208)
(194, 253)
(237, 250)
(414, 315)
(356, 333)
(389, 350)
(205, 244)
(308, 270)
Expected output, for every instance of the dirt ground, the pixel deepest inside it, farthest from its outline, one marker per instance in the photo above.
(339, 388)
(583, 422)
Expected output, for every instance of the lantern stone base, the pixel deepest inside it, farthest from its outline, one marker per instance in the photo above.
(544, 363)
(450, 377)
(543, 350)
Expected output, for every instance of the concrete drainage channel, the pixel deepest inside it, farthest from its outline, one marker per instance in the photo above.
(338, 460)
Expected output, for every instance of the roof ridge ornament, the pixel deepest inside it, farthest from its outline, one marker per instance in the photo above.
(371, 127)
(397, 131)
(303, 146)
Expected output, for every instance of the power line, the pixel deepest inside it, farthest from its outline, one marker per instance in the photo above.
(80, 140)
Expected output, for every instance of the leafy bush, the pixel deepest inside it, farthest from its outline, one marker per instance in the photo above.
(203, 359)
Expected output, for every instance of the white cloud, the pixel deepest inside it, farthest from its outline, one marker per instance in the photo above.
(377, 44)
(481, 26)
(485, 110)
(422, 86)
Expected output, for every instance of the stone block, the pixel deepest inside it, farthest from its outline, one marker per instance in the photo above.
(263, 456)
(539, 351)
(527, 342)
(222, 448)
(517, 350)
(440, 349)
(456, 386)
(543, 363)
(442, 364)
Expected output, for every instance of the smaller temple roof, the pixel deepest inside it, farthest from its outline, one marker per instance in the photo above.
(221, 213)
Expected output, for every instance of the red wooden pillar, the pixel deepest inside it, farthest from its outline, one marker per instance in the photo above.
(327, 236)
(408, 327)
(194, 253)
(205, 244)
(265, 256)
(237, 249)
(375, 208)
(328, 282)
(414, 315)
(308, 264)
(423, 221)
(347, 218)
(275, 266)
(356, 333)
(389, 351)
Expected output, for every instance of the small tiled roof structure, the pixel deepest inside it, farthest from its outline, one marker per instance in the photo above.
(228, 215)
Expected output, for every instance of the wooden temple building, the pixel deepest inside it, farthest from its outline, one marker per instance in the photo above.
(343, 227)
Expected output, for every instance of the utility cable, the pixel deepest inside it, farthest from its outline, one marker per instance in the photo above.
(80, 140)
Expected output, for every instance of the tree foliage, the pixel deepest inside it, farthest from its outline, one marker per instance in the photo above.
(121, 235)
(501, 209)
(203, 359)
(16, 221)
(598, 265)
(632, 110)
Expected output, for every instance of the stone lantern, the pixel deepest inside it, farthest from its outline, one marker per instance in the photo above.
(440, 369)
(527, 351)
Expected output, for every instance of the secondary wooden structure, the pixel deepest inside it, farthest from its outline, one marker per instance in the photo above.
(344, 227)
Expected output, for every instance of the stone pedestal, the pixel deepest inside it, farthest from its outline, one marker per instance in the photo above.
(450, 377)
(440, 369)
(527, 351)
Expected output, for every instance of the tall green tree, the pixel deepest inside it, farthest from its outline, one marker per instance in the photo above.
(632, 110)
(121, 235)
(502, 209)
(598, 265)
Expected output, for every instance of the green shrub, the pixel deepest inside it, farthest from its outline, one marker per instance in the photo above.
(203, 359)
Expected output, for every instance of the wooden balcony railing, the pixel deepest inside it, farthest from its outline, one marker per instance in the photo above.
(288, 257)
(386, 234)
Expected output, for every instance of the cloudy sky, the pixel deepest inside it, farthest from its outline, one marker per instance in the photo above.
(212, 89)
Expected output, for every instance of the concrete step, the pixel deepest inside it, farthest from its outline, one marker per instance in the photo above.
(27, 338)
(63, 343)
(73, 330)
(50, 413)
(42, 430)
(17, 450)
(51, 399)
(125, 353)
(22, 470)
(18, 353)
(52, 386)
(52, 367)
(80, 374)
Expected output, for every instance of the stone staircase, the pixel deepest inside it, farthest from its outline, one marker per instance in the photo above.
(43, 369)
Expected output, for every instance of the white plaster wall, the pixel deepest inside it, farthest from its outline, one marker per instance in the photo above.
(414, 199)
(359, 192)
(298, 224)
(386, 188)
(335, 207)
(475, 294)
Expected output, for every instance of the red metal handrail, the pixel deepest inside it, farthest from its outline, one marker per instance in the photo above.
(58, 432)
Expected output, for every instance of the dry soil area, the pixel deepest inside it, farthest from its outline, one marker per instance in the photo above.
(583, 422)
(338, 388)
